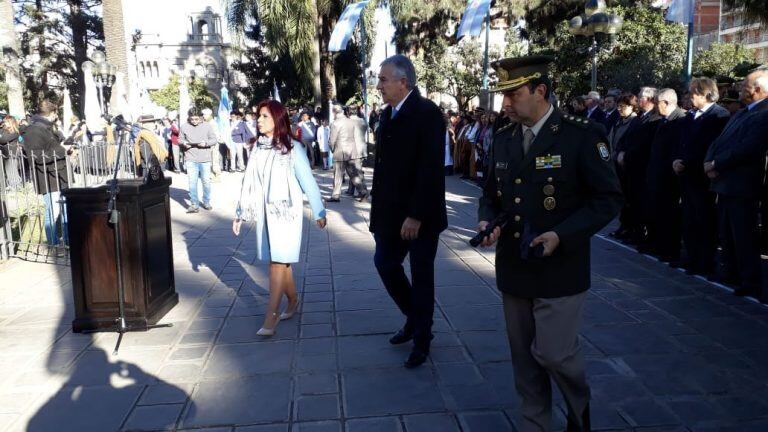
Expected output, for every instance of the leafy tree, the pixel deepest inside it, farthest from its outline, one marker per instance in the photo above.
(647, 51)
(54, 36)
(721, 59)
(168, 96)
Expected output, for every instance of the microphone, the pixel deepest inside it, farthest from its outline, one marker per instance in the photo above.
(499, 222)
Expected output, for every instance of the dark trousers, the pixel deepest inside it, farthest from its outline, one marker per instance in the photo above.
(740, 240)
(416, 300)
(699, 227)
(625, 217)
(635, 204)
(664, 218)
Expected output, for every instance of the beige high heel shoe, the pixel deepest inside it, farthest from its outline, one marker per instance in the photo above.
(267, 332)
(288, 314)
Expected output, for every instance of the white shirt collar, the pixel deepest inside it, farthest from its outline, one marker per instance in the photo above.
(400, 104)
(707, 107)
(539, 124)
(591, 110)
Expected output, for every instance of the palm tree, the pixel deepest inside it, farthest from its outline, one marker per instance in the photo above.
(291, 27)
(114, 38)
(13, 76)
(755, 9)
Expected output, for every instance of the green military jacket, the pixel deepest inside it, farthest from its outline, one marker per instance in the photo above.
(566, 184)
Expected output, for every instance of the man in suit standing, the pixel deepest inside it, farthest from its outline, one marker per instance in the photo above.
(594, 112)
(552, 175)
(408, 208)
(344, 145)
(611, 113)
(663, 189)
(735, 163)
(698, 203)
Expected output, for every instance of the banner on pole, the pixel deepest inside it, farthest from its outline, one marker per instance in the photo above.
(473, 17)
(345, 26)
(681, 11)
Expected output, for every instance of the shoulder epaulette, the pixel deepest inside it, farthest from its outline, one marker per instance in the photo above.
(509, 126)
(581, 122)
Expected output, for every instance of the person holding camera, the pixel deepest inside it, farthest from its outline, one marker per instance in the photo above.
(551, 174)
(196, 138)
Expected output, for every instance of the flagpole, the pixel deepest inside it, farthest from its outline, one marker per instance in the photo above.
(689, 54)
(487, 39)
(363, 62)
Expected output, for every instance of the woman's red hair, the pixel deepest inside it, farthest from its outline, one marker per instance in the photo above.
(281, 138)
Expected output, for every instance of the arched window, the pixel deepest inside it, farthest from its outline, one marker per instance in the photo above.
(202, 27)
(211, 71)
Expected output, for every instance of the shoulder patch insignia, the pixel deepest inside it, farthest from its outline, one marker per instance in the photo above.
(602, 149)
(577, 121)
(507, 127)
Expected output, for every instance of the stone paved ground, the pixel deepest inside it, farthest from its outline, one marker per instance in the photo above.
(666, 352)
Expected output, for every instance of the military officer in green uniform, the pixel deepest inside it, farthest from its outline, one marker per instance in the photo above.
(552, 176)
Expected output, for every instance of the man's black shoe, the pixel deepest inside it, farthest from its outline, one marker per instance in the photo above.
(415, 359)
(348, 193)
(332, 199)
(361, 197)
(400, 337)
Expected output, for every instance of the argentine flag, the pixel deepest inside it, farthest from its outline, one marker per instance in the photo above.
(345, 26)
(680, 11)
(472, 20)
(222, 120)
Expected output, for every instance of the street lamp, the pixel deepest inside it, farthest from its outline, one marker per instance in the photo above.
(598, 25)
(104, 76)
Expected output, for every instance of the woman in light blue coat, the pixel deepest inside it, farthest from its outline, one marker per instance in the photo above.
(275, 181)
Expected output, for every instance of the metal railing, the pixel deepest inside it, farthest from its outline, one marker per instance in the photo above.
(33, 220)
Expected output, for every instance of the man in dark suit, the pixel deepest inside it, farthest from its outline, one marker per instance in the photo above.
(663, 193)
(552, 175)
(594, 112)
(698, 203)
(637, 152)
(735, 163)
(611, 113)
(408, 200)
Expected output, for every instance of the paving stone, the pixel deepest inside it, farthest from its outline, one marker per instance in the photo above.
(647, 412)
(363, 300)
(323, 426)
(317, 307)
(165, 393)
(250, 359)
(485, 421)
(459, 374)
(486, 346)
(317, 407)
(263, 428)
(466, 295)
(430, 422)
(317, 330)
(243, 401)
(243, 329)
(317, 383)
(194, 353)
(202, 338)
(85, 408)
(467, 318)
(368, 322)
(390, 392)
(153, 418)
(316, 362)
(376, 424)
(370, 351)
(628, 339)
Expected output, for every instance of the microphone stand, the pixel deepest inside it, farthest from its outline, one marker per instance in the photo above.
(121, 326)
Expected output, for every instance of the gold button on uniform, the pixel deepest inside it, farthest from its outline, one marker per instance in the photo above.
(517, 218)
(517, 235)
(550, 179)
(518, 181)
(517, 200)
(498, 193)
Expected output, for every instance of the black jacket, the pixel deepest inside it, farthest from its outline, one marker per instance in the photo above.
(566, 184)
(739, 153)
(696, 141)
(42, 145)
(660, 176)
(409, 178)
(609, 120)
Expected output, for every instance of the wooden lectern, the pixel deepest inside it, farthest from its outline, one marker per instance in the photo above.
(146, 254)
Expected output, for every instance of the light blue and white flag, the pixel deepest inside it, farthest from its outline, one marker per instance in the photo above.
(681, 11)
(345, 26)
(472, 20)
(222, 120)
(275, 92)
